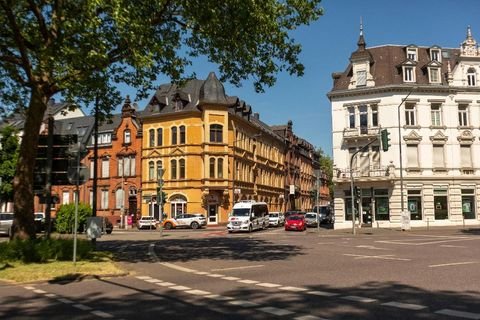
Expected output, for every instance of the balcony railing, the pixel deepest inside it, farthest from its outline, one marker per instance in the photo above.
(367, 172)
(360, 132)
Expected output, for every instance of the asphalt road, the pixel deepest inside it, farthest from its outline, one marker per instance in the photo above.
(272, 274)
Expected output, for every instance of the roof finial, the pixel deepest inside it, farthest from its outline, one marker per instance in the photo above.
(361, 41)
(361, 26)
(469, 32)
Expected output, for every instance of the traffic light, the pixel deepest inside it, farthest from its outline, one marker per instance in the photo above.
(356, 192)
(385, 139)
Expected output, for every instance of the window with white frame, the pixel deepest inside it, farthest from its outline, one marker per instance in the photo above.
(174, 135)
(119, 198)
(151, 170)
(412, 155)
(412, 54)
(375, 157)
(105, 168)
(471, 77)
(361, 78)
(65, 197)
(151, 138)
(435, 55)
(126, 166)
(409, 74)
(127, 136)
(463, 115)
(466, 156)
(374, 116)
(182, 134)
(104, 199)
(181, 169)
(410, 114)
(216, 133)
(434, 75)
(212, 167)
(220, 168)
(351, 117)
(438, 156)
(92, 169)
(436, 115)
(363, 117)
(159, 166)
(102, 138)
(90, 198)
(159, 137)
(173, 169)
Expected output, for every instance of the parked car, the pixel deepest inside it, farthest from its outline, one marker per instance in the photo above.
(288, 213)
(147, 222)
(326, 214)
(6, 221)
(311, 219)
(39, 220)
(186, 220)
(107, 225)
(295, 222)
(276, 219)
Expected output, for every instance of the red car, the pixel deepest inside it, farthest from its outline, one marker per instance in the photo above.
(295, 222)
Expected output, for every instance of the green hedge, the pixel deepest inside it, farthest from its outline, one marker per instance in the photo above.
(65, 219)
(43, 250)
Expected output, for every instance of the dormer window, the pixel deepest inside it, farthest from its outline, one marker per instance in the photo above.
(434, 75)
(471, 77)
(435, 55)
(361, 78)
(408, 74)
(127, 136)
(412, 54)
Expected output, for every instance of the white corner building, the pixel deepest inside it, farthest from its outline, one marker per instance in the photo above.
(428, 98)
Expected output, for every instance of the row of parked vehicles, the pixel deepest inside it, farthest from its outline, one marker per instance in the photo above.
(186, 220)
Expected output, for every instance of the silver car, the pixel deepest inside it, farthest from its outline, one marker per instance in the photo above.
(6, 221)
(276, 219)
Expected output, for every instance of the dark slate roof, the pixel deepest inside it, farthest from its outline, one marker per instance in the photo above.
(386, 66)
(81, 126)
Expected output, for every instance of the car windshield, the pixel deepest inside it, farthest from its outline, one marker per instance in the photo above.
(274, 215)
(294, 218)
(38, 215)
(311, 215)
(241, 212)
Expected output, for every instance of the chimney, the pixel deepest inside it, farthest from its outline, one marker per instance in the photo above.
(256, 115)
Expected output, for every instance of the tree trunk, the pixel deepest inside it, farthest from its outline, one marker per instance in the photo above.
(23, 201)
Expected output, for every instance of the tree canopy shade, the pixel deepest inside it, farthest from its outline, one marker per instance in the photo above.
(83, 48)
(8, 160)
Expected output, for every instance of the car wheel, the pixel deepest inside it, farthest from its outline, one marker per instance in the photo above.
(168, 226)
(109, 231)
(194, 225)
(229, 231)
(250, 228)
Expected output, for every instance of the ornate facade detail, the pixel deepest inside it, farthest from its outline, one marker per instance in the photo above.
(469, 47)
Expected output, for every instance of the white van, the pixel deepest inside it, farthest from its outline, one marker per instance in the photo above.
(248, 215)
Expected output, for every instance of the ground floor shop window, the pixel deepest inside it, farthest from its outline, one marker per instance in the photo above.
(348, 206)
(440, 202)
(382, 209)
(468, 203)
(415, 204)
(178, 205)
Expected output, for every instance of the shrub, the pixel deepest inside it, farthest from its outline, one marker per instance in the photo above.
(65, 219)
(43, 250)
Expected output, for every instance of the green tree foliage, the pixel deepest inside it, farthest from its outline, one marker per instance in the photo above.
(326, 164)
(65, 220)
(83, 49)
(8, 161)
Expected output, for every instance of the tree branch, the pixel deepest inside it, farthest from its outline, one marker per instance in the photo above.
(41, 21)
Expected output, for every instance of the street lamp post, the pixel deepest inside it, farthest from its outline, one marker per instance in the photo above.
(160, 173)
(317, 187)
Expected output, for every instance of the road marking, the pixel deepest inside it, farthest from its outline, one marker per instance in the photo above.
(451, 246)
(275, 311)
(460, 314)
(180, 288)
(143, 277)
(102, 314)
(29, 288)
(165, 284)
(231, 278)
(268, 285)
(63, 300)
(371, 247)
(39, 291)
(243, 303)
(215, 275)
(82, 307)
(323, 293)
(309, 317)
(239, 268)
(452, 264)
(383, 257)
(198, 292)
(409, 241)
(51, 295)
(218, 297)
(201, 273)
(359, 299)
(248, 281)
(173, 266)
(153, 280)
(293, 289)
(409, 306)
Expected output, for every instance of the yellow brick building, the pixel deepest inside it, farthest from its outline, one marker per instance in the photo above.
(212, 149)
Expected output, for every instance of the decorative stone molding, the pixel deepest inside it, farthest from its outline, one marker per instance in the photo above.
(439, 138)
(466, 137)
(412, 138)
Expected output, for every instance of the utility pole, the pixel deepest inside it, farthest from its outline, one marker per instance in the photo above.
(48, 178)
(160, 172)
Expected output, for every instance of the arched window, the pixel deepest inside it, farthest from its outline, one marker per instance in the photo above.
(119, 199)
(174, 135)
(216, 133)
(151, 170)
(220, 168)
(181, 164)
(159, 137)
(127, 138)
(212, 167)
(151, 138)
(159, 165)
(182, 134)
(178, 205)
(471, 77)
(173, 169)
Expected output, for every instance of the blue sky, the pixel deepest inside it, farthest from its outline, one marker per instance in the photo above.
(327, 45)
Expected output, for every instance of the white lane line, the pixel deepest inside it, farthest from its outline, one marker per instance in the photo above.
(30, 288)
(165, 284)
(82, 307)
(215, 275)
(39, 291)
(239, 268)
(201, 273)
(153, 280)
(382, 257)
(406, 242)
(451, 264)
(63, 300)
(459, 314)
(293, 289)
(275, 311)
(451, 246)
(359, 299)
(409, 306)
(231, 278)
(51, 295)
(218, 297)
(248, 281)
(268, 285)
(322, 293)
(143, 277)
(173, 266)
(180, 288)
(198, 292)
(309, 317)
(102, 314)
(371, 247)
(243, 303)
